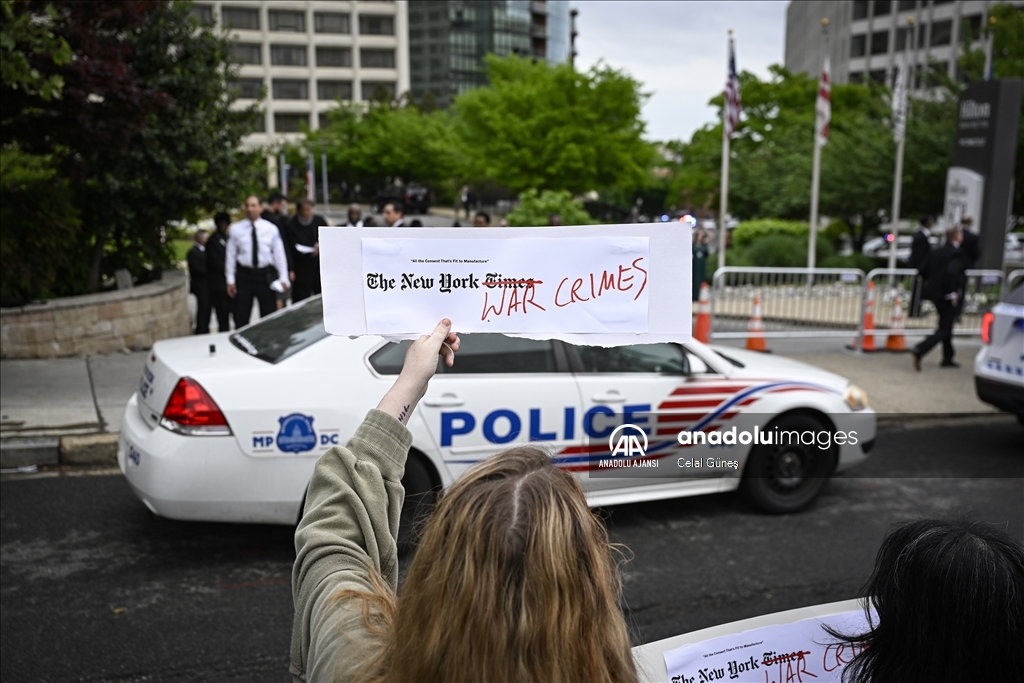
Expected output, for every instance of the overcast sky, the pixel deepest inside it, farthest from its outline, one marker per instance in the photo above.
(677, 50)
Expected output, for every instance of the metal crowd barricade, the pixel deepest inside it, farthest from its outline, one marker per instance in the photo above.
(1013, 279)
(984, 288)
(795, 302)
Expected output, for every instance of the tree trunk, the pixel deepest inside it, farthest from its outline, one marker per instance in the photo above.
(96, 260)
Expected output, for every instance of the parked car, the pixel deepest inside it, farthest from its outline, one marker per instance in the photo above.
(416, 198)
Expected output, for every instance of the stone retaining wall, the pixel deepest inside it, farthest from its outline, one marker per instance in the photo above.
(98, 323)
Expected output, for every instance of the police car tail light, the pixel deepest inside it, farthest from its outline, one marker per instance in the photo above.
(986, 327)
(190, 410)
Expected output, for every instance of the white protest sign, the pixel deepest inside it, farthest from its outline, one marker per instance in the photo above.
(601, 285)
(799, 652)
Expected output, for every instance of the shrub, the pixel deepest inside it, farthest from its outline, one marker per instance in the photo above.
(752, 231)
(535, 209)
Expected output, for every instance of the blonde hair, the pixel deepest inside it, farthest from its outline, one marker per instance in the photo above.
(514, 580)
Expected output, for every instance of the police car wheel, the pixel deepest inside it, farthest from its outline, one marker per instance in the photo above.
(781, 478)
(420, 495)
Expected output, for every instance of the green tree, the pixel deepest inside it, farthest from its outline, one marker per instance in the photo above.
(147, 124)
(537, 126)
(386, 142)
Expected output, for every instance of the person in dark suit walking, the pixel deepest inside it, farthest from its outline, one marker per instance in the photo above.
(198, 283)
(302, 239)
(217, 284)
(945, 281)
(920, 248)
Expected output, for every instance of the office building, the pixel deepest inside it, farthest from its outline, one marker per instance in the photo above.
(306, 56)
(449, 38)
(867, 37)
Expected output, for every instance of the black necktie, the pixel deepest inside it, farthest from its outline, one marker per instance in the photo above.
(255, 247)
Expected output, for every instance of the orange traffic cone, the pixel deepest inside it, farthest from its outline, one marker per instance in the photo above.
(896, 340)
(868, 344)
(755, 329)
(702, 330)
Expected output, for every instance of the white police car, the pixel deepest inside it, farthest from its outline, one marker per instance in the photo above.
(228, 427)
(999, 366)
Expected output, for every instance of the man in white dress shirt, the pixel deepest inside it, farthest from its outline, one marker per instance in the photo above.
(256, 265)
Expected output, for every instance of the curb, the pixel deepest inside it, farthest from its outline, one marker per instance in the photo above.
(92, 449)
(30, 450)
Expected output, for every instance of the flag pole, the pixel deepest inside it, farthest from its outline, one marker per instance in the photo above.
(812, 231)
(724, 189)
(899, 110)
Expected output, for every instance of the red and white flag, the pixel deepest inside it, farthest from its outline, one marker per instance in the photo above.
(732, 94)
(823, 110)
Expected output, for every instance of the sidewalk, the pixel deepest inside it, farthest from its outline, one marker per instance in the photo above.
(69, 410)
(64, 409)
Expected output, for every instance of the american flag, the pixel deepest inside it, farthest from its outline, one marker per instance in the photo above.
(732, 94)
(823, 110)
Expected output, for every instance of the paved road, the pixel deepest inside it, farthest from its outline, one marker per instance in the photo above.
(95, 589)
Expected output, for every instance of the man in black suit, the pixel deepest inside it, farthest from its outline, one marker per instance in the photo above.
(945, 278)
(302, 240)
(197, 282)
(217, 284)
(920, 248)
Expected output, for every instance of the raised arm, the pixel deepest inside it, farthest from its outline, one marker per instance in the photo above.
(353, 503)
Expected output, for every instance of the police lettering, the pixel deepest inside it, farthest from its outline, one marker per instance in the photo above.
(503, 426)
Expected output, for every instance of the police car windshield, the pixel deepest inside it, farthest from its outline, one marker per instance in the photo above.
(275, 338)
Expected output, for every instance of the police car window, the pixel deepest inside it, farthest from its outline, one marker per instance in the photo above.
(496, 353)
(275, 338)
(1016, 296)
(661, 358)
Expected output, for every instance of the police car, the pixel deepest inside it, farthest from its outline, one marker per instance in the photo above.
(229, 427)
(999, 366)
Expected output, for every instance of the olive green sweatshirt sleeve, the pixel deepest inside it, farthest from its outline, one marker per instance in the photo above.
(350, 523)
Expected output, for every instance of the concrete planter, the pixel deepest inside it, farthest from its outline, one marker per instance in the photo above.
(98, 323)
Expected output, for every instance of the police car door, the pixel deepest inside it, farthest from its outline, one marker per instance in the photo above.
(501, 392)
(636, 384)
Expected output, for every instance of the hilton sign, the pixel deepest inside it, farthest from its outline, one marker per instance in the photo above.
(980, 182)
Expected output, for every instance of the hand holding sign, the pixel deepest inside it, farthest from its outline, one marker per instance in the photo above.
(419, 366)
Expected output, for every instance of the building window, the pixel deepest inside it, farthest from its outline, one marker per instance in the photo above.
(247, 53)
(879, 42)
(856, 77)
(240, 18)
(331, 22)
(290, 89)
(942, 32)
(877, 75)
(860, 9)
(283, 20)
(882, 7)
(333, 56)
(376, 25)
(249, 88)
(203, 14)
(290, 123)
(922, 35)
(377, 59)
(334, 90)
(970, 28)
(934, 74)
(288, 55)
(376, 90)
(907, 5)
(858, 45)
